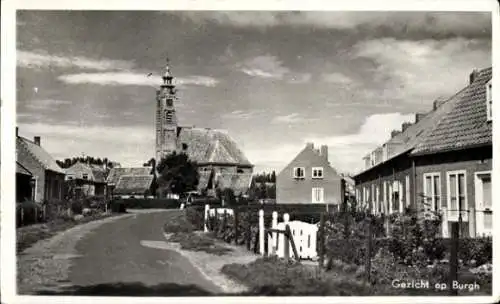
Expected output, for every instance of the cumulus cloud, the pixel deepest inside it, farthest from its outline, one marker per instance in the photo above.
(345, 151)
(422, 24)
(132, 78)
(421, 71)
(37, 60)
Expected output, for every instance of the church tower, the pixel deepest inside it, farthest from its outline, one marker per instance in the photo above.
(166, 120)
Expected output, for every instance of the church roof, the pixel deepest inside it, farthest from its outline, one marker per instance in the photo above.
(208, 146)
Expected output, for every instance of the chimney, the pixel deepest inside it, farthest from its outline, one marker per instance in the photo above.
(37, 140)
(405, 126)
(419, 116)
(17, 132)
(324, 151)
(473, 76)
(395, 133)
(310, 145)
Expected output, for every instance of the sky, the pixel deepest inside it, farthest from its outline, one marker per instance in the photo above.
(273, 80)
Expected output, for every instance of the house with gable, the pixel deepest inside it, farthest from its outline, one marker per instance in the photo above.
(136, 182)
(38, 176)
(442, 162)
(86, 180)
(309, 178)
(221, 163)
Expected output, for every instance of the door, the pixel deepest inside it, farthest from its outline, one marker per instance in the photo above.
(318, 195)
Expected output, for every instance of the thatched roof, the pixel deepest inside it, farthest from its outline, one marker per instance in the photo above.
(208, 146)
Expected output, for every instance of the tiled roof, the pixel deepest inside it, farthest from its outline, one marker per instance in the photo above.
(239, 182)
(210, 146)
(22, 170)
(133, 184)
(39, 153)
(408, 139)
(116, 173)
(98, 173)
(465, 125)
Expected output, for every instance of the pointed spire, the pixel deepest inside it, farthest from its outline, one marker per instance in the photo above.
(167, 76)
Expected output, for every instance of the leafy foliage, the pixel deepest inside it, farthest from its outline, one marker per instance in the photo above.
(68, 162)
(177, 173)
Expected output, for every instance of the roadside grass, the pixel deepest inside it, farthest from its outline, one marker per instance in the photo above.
(29, 235)
(184, 233)
(271, 276)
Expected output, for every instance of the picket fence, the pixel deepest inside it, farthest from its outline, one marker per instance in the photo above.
(304, 234)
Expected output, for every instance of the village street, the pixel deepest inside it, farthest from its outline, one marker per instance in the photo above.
(112, 254)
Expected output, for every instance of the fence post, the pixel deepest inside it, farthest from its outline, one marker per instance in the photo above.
(369, 249)
(44, 212)
(286, 243)
(249, 230)
(205, 220)
(235, 214)
(275, 226)
(444, 223)
(261, 232)
(453, 257)
(22, 216)
(224, 221)
(321, 247)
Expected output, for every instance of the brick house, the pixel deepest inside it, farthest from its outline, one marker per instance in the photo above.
(441, 162)
(309, 178)
(86, 180)
(38, 175)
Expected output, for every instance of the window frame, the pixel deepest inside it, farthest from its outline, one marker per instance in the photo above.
(318, 169)
(433, 196)
(481, 230)
(314, 195)
(489, 100)
(294, 173)
(451, 212)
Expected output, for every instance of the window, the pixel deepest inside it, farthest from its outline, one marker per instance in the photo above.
(85, 176)
(489, 100)
(298, 172)
(70, 177)
(457, 195)
(318, 195)
(484, 207)
(432, 191)
(184, 146)
(317, 172)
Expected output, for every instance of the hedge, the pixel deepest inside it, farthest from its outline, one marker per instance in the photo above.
(144, 203)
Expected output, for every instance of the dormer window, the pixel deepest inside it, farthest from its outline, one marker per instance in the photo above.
(489, 100)
(298, 172)
(317, 172)
(85, 176)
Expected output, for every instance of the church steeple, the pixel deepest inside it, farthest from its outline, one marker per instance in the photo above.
(166, 120)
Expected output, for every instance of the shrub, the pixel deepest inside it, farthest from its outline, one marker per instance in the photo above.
(196, 216)
(28, 213)
(144, 203)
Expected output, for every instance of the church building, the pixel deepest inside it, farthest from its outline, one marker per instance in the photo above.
(221, 163)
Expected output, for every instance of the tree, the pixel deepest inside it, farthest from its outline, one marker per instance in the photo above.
(177, 174)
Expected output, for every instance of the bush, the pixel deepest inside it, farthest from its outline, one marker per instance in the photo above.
(196, 216)
(144, 203)
(28, 213)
